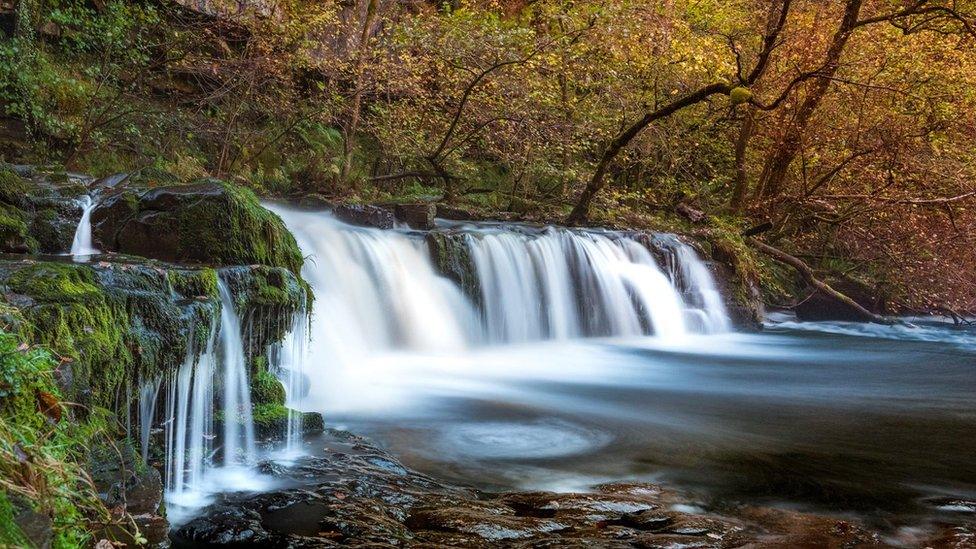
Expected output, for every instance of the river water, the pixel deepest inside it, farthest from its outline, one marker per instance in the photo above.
(638, 377)
(843, 419)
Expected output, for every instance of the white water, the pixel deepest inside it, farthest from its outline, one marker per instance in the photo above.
(289, 359)
(239, 447)
(377, 292)
(192, 473)
(81, 246)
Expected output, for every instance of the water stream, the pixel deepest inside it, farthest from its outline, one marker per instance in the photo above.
(579, 357)
(81, 245)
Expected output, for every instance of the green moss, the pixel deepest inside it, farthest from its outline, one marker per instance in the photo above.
(13, 188)
(10, 533)
(269, 415)
(194, 283)
(56, 282)
(42, 449)
(14, 233)
(740, 95)
(266, 389)
(241, 232)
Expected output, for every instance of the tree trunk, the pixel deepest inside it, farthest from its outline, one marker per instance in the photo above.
(808, 275)
(778, 163)
(352, 124)
(741, 188)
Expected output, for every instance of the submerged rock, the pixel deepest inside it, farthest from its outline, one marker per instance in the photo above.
(352, 493)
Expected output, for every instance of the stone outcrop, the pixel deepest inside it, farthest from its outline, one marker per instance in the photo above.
(97, 329)
(208, 222)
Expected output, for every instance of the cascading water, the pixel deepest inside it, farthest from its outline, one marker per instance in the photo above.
(288, 359)
(562, 284)
(189, 426)
(378, 291)
(81, 246)
(239, 446)
(190, 410)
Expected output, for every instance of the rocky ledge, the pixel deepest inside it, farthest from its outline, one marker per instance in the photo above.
(354, 494)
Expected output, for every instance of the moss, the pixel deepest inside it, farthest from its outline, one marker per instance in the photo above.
(266, 389)
(194, 283)
(241, 232)
(740, 95)
(113, 323)
(13, 188)
(269, 414)
(42, 449)
(14, 233)
(452, 259)
(10, 533)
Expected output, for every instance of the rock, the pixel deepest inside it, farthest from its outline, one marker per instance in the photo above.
(814, 305)
(417, 216)
(126, 483)
(365, 215)
(353, 493)
(209, 222)
(37, 527)
(115, 321)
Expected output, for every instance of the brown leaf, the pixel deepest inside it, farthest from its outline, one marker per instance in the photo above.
(49, 405)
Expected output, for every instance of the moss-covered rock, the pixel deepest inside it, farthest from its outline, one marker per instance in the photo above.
(266, 389)
(113, 323)
(210, 222)
(39, 211)
(267, 300)
(452, 259)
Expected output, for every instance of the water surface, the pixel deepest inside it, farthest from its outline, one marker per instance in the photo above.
(850, 419)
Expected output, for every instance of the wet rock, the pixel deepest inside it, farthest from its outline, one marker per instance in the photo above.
(365, 215)
(125, 483)
(35, 526)
(356, 494)
(417, 216)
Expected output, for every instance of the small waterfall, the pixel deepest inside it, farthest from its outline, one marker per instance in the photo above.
(148, 394)
(289, 363)
(378, 291)
(189, 426)
(190, 409)
(81, 246)
(239, 446)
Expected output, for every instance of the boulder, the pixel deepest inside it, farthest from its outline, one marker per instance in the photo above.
(210, 222)
(815, 305)
(365, 215)
(417, 216)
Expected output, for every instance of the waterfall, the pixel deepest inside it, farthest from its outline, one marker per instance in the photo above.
(81, 246)
(288, 359)
(561, 284)
(378, 291)
(190, 411)
(239, 446)
(189, 426)
(148, 394)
